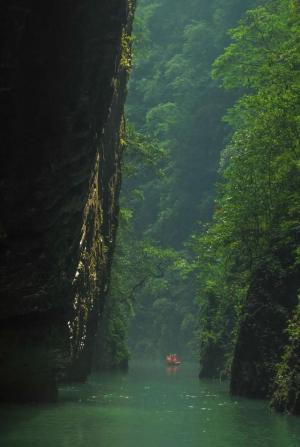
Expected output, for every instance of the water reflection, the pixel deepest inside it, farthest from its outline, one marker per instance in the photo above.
(149, 407)
(171, 370)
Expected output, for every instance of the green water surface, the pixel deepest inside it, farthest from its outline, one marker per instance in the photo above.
(148, 407)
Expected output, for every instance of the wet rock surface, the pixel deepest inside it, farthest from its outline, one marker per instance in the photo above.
(62, 90)
(263, 336)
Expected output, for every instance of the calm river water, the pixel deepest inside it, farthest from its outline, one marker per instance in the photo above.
(148, 407)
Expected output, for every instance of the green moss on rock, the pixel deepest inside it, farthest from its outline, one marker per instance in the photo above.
(286, 395)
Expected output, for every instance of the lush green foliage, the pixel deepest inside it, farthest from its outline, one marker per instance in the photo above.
(287, 380)
(188, 250)
(170, 164)
(256, 220)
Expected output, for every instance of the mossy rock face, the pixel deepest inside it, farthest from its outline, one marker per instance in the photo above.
(286, 397)
(262, 336)
(29, 388)
(62, 108)
(27, 372)
(212, 361)
(286, 393)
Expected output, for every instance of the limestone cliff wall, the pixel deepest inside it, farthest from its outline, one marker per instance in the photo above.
(63, 80)
(266, 362)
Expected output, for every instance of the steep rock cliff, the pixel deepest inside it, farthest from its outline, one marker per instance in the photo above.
(263, 339)
(63, 82)
(286, 394)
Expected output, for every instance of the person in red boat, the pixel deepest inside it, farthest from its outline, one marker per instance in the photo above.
(172, 360)
(169, 358)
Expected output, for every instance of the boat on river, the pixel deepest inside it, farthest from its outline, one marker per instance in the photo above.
(172, 360)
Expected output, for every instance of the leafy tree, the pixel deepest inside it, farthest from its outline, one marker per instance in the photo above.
(257, 206)
(173, 99)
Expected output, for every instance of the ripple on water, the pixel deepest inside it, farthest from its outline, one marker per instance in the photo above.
(149, 409)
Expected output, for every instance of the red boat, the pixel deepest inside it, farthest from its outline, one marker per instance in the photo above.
(172, 360)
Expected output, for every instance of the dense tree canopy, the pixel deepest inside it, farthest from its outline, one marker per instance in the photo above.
(174, 138)
(213, 143)
(257, 207)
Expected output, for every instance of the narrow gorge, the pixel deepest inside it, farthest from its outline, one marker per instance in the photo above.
(149, 225)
